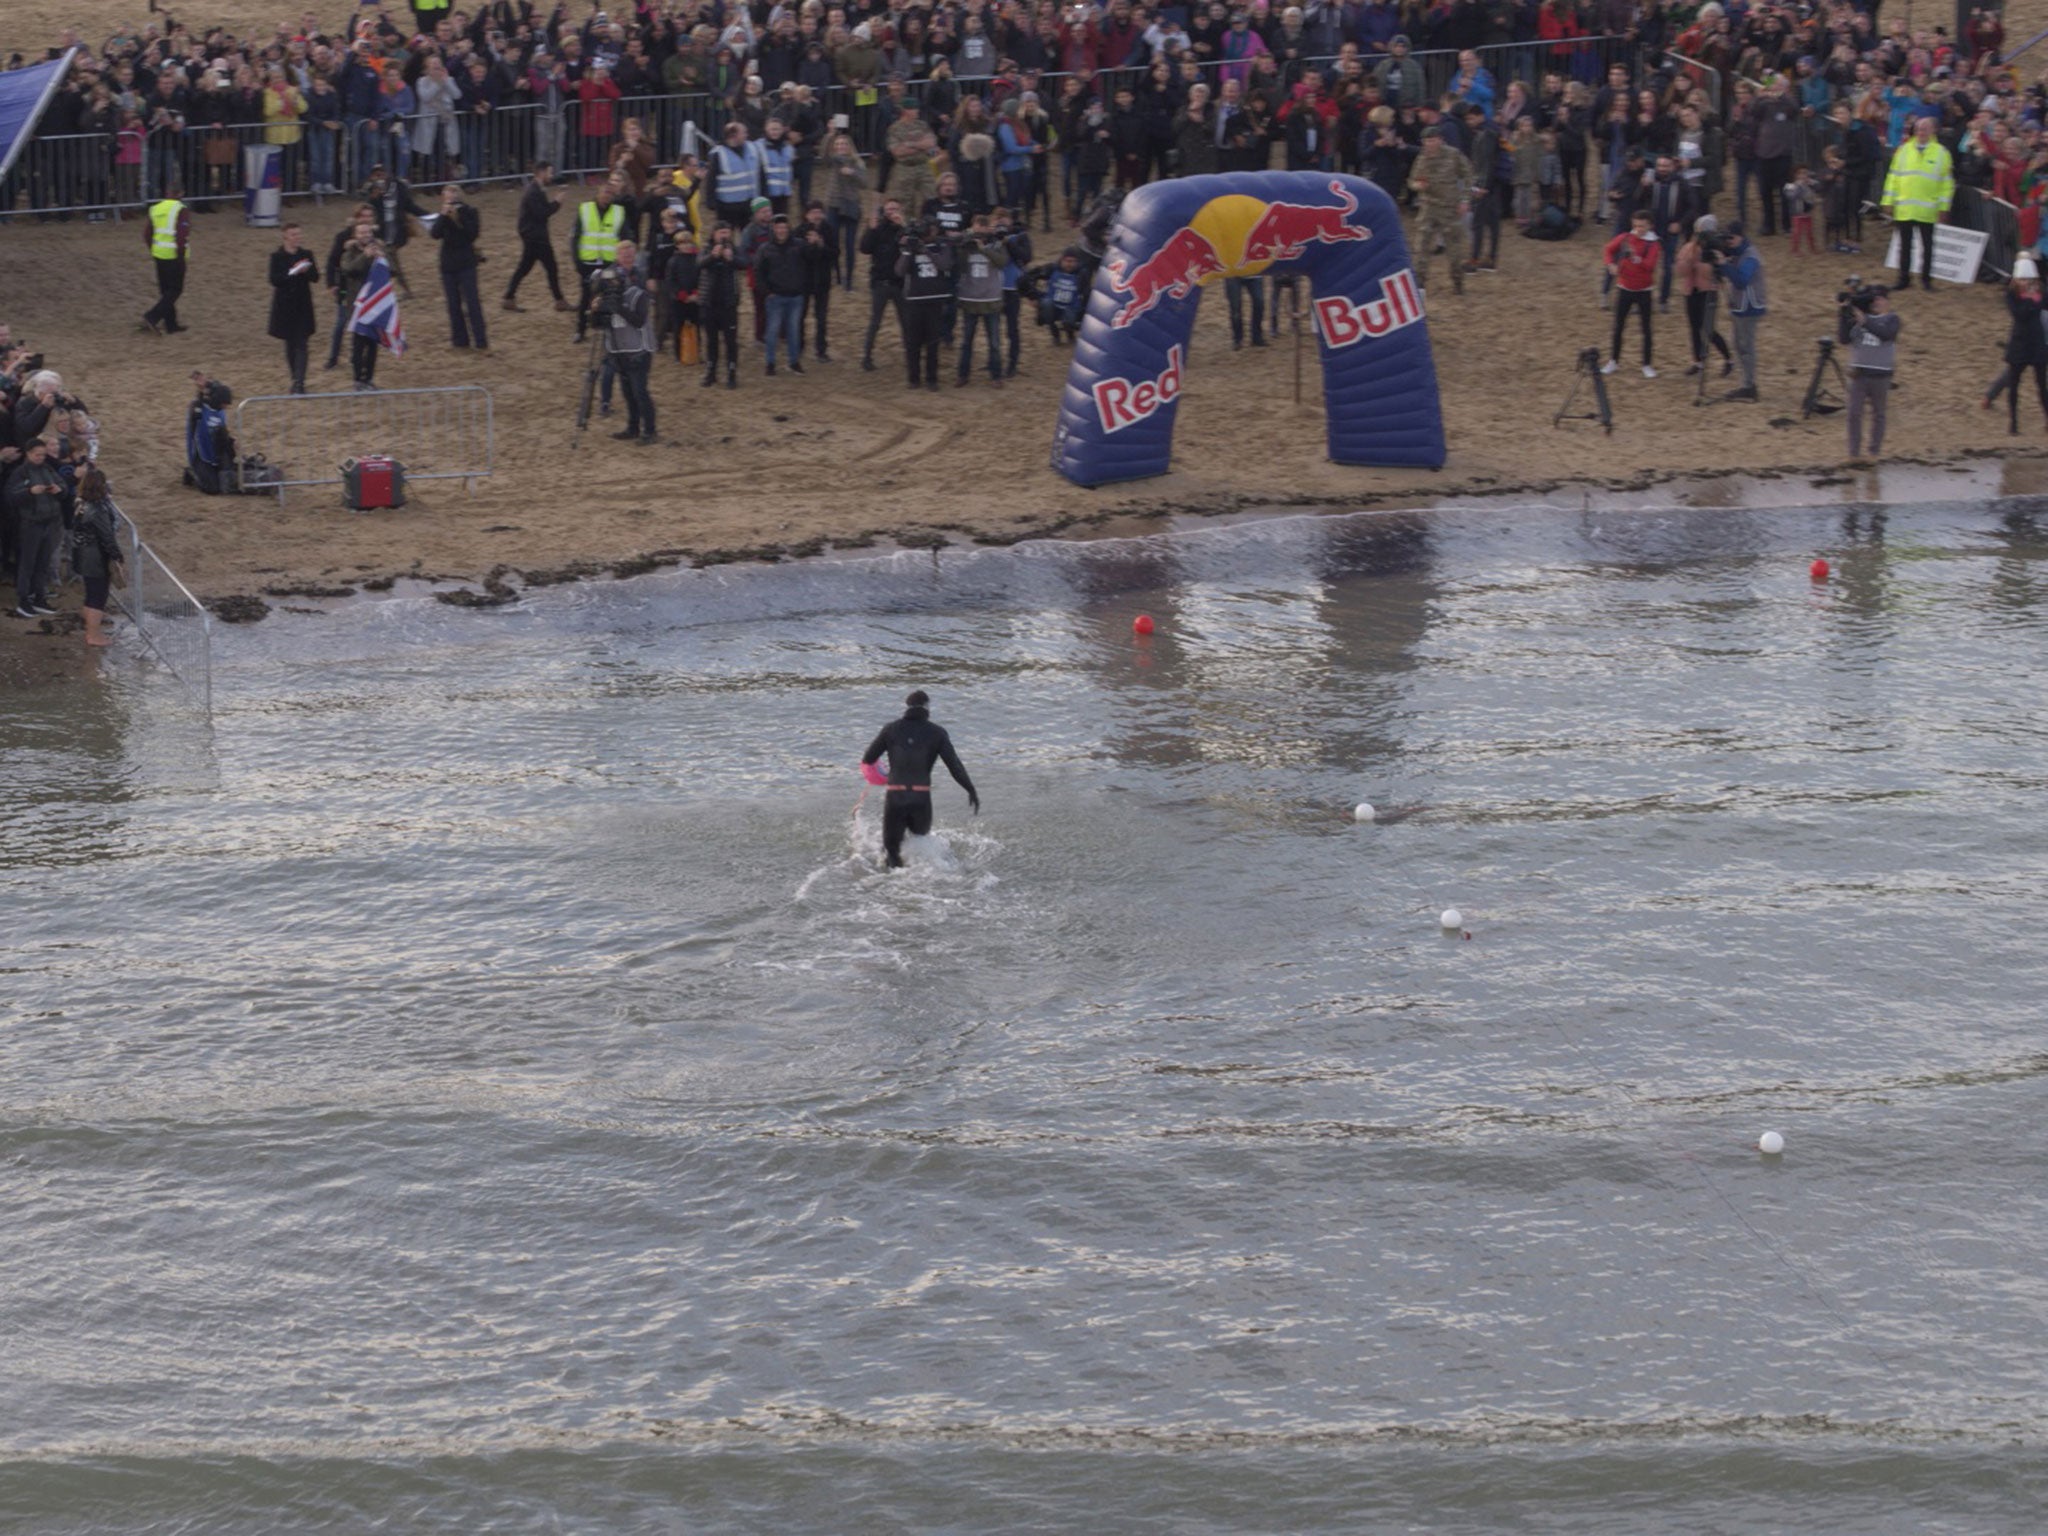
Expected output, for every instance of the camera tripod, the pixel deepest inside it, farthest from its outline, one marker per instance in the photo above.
(1587, 368)
(1823, 398)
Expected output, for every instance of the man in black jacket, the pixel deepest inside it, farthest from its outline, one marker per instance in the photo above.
(457, 229)
(536, 206)
(37, 490)
(914, 743)
(780, 273)
(881, 242)
(925, 269)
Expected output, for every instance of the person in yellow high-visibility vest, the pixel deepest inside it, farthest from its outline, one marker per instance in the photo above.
(167, 232)
(1917, 191)
(599, 224)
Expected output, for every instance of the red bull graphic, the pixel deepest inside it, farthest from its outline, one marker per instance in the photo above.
(1342, 323)
(1172, 271)
(1337, 237)
(1284, 230)
(1121, 403)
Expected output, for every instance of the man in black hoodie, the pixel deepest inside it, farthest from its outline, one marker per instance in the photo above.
(914, 743)
(536, 206)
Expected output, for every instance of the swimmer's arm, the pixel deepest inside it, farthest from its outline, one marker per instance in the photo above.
(877, 747)
(952, 761)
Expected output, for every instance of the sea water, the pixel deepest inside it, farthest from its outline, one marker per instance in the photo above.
(486, 1081)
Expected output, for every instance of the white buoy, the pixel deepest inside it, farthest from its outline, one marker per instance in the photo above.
(1452, 918)
(1363, 811)
(1770, 1143)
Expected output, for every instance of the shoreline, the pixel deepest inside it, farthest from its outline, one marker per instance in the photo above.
(2023, 473)
(1737, 488)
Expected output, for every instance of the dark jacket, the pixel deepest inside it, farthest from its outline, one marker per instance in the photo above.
(291, 296)
(819, 260)
(914, 743)
(718, 289)
(882, 245)
(2025, 346)
(926, 272)
(95, 547)
(1671, 202)
(457, 233)
(779, 268)
(535, 209)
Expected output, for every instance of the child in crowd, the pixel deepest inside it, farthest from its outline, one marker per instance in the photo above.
(1800, 196)
(1065, 298)
(1550, 168)
(1834, 200)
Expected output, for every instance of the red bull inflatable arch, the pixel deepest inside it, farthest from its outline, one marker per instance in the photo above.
(1172, 239)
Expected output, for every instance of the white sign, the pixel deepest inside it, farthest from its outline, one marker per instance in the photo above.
(1957, 252)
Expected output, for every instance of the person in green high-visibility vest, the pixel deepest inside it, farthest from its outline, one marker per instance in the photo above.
(594, 241)
(1917, 191)
(167, 232)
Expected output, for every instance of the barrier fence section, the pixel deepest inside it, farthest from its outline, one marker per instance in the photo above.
(437, 434)
(171, 621)
(98, 173)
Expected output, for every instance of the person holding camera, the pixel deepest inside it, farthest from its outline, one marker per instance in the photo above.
(37, 491)
(1700, 282)
(1865, 324)
(718, 304)
(1741, 267)
(925, 267)
(625, 309)
(457, 229)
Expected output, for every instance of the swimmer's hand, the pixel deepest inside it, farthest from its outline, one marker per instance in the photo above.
(974, 802)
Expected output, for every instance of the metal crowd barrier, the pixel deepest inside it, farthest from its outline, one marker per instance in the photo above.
(171, 621)
(105, 172)
(437, 434)
(1999, 220)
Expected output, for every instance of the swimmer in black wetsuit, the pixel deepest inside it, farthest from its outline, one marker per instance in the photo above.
(914, 744)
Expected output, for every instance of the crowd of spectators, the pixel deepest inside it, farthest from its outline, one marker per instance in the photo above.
(56, 516)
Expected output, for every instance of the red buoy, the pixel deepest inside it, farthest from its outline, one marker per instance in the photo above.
(1142, 624)
(1818, 570)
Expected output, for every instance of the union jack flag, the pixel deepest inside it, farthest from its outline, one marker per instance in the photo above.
(376, 309)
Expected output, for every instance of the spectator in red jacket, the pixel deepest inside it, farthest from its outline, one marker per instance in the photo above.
(1632, 259)
(597, 92)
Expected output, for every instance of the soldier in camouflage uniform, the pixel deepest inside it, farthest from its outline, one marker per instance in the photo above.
(1441, 180)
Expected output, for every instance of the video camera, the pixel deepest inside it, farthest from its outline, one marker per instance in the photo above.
(1858, 295)
(608, 292)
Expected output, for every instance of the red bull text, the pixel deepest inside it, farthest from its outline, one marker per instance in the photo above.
(1342, 323)
(1172, 271)
(1121, 403)
(1285, 230)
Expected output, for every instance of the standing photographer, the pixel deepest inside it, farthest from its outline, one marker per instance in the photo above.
(625, 309)
(926, 270)
(1865, 324)
(1742, 268)
(718, 302)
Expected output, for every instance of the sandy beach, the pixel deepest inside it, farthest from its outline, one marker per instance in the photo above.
(839, 458)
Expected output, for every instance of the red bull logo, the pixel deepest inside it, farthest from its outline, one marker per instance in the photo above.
(1343, 323)
(1174, 271)
(1285, 230)
(1121, 403)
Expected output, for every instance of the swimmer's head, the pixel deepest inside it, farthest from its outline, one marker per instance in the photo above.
(918, 698)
